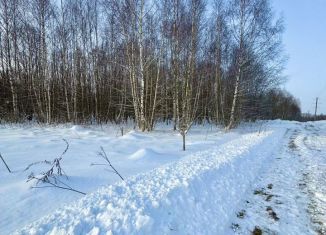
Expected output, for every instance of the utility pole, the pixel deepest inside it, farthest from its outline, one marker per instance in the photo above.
(316, 106)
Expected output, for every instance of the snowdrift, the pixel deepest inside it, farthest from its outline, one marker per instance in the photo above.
(196, 195)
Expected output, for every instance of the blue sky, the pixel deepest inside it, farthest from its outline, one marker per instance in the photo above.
(305, 43)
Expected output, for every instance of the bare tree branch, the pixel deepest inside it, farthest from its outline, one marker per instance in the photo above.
(105, 157)
(5, 163)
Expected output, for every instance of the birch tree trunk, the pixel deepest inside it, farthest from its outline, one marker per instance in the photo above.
(142, 124)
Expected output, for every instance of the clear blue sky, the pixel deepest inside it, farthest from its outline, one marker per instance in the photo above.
(305, 43)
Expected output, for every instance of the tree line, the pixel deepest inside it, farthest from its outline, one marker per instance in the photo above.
(178, 61)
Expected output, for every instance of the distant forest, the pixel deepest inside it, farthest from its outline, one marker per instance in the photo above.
(180, 61)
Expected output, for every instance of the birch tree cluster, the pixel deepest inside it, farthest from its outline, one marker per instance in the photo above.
(178, 61)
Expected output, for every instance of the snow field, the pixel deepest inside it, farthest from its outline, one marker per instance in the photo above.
(272, 172)
(195, 195)
(131, 154)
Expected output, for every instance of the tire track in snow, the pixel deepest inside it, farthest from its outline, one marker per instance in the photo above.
(314, 175)
(285, 199)
(262, 211)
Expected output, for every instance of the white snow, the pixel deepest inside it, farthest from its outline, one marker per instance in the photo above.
(21, 145)
(290, 186)
(166, 191)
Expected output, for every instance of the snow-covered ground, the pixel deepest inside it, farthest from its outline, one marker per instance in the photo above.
(289, 197)
(268, 177)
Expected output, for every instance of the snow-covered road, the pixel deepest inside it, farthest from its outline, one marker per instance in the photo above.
(290, 196)
(272, 180)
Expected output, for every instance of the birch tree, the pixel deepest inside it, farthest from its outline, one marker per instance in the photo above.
(190, 94)
(256, 35)
(148, 60)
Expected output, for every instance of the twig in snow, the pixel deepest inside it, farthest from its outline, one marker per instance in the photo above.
(36, 163)
(54, 185)
(5, 163)
(51, 176)
(105, 157)
(261, 127)
(55, 164)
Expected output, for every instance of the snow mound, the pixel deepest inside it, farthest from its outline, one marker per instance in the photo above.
(77, 128)
(144, 154)
(134, 135)
(80, 131)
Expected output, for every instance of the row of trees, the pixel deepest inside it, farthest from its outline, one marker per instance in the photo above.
(307, 117)
(109, 60)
